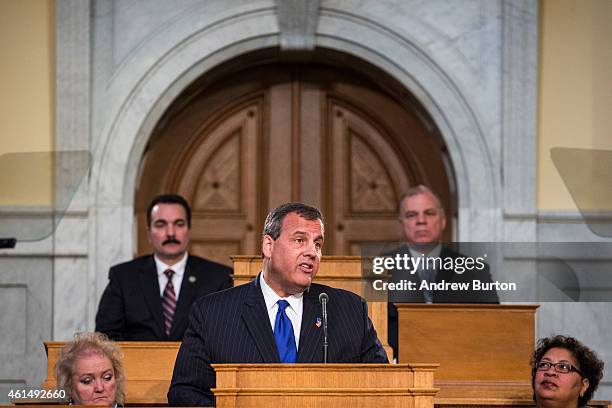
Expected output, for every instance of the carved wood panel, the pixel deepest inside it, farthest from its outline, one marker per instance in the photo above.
(237, 147)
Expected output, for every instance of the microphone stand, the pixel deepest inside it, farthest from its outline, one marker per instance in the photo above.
(323, 298)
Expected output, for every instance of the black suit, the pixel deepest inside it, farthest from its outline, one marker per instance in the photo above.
(130, 307)
(233, 327)
(447, 275)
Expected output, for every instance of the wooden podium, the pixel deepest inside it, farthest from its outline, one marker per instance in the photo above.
(325, 385)
(483, 350)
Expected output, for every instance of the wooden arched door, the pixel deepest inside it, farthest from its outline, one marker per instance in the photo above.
(241, 145)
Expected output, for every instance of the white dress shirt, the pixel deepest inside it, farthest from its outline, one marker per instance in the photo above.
(177, 277)
(294, 310)
(434, 253)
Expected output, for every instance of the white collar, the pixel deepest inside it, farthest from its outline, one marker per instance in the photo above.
(271, 298)
(178, 268)
(434, 253)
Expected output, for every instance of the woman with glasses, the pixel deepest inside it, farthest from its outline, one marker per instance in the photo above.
(565, 373)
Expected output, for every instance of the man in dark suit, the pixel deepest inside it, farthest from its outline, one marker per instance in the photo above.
(423, 221)
(277, 317)
(149, 298)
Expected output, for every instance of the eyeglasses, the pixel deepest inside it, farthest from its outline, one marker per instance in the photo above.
(560, 367)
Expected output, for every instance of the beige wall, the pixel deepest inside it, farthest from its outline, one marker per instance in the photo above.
(575, 93)
(27, 97)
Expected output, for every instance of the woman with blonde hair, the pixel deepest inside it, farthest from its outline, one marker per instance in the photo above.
(90, 370)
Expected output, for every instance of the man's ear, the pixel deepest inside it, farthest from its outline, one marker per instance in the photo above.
(267, 245)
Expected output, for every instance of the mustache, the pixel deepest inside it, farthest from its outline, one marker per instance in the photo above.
(171, 240)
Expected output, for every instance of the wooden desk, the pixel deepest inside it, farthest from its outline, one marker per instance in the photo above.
(148, 369)
(483, 350)
(149, 365)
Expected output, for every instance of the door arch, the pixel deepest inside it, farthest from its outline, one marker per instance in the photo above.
(236, 145)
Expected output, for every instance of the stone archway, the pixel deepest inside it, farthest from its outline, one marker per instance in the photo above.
(192, 44)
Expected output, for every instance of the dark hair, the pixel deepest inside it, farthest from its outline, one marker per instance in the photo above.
(588, 362)
(169, 199)
(274, 220)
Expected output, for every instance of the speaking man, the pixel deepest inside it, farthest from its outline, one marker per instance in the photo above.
(149, 298)
(423, 221)
(276, 318)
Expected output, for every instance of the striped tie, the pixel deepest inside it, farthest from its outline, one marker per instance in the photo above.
(169, 301)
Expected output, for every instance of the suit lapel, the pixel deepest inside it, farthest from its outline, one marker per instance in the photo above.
(310, 334)
(255, 317)
(150, 286)
(187, 295)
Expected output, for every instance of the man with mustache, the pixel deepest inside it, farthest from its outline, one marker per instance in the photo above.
(276, 318)
(149, 298)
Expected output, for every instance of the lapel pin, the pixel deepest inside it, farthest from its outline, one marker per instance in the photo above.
(192, 279)
(318, 322)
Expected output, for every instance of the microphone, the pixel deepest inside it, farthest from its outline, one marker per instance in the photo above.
(323, 298)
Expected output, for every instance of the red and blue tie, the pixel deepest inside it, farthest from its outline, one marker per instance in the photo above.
(169, 302)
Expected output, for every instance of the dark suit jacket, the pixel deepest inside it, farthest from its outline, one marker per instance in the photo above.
(233, 327)
(130, 307)
(416, 296)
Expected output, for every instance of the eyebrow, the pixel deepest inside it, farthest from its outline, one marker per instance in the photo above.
(560, 361)
(103, 372)
(303, 233)
(165, 220)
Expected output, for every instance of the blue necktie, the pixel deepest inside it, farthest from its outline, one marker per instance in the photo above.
(283, 334)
